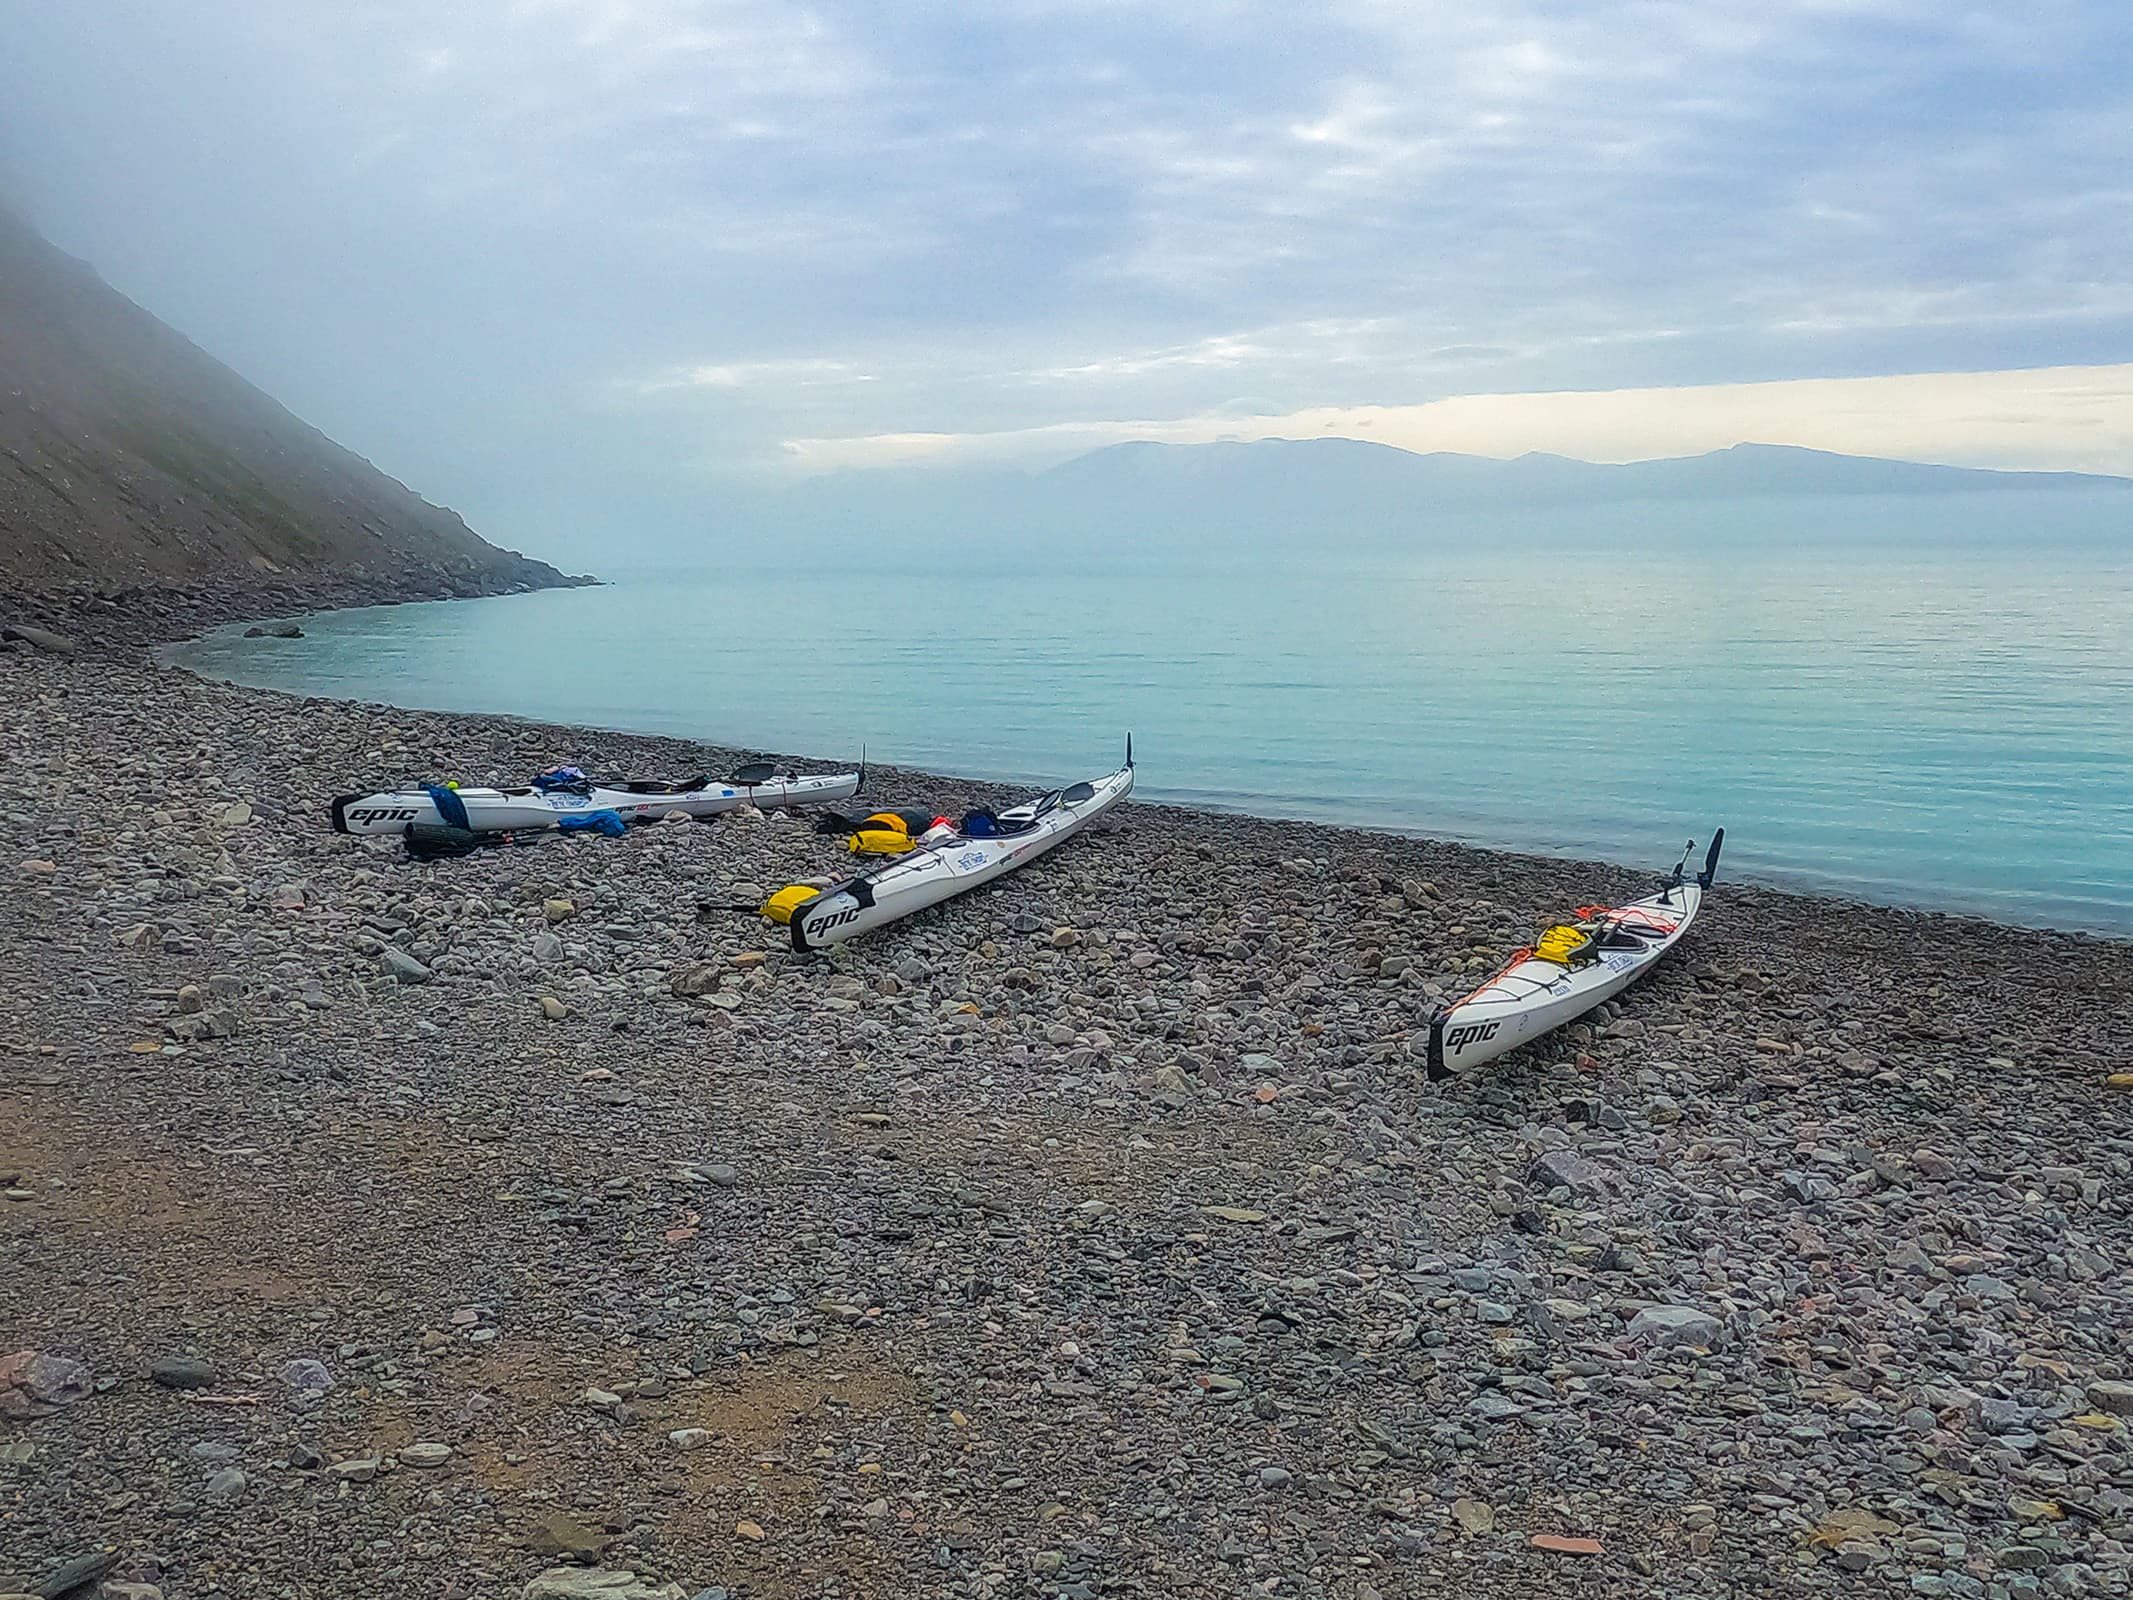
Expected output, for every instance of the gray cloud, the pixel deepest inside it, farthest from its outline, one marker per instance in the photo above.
(570, 264)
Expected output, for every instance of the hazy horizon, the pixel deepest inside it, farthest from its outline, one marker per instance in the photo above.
(588, 271)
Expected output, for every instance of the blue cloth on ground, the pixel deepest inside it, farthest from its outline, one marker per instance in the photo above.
(607, 822)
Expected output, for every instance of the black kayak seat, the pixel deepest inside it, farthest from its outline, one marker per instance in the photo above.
(1045, 805)
(661, 785)
(985, 824)
(754, 773)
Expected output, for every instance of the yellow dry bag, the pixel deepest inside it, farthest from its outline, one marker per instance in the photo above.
(780, 906)
(880, 842)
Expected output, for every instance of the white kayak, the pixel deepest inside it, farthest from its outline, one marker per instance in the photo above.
(513, 810)
(1536, 992)
(941, 867)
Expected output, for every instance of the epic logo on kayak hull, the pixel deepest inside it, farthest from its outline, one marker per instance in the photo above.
(1470, 1033)
(817, 926)
(383, 814)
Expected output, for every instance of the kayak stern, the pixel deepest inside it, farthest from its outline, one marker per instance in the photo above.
(1438, 1071)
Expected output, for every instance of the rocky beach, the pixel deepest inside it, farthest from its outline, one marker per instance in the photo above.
(501, 1227)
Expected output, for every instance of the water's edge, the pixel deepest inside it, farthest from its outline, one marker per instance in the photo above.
(171, 656)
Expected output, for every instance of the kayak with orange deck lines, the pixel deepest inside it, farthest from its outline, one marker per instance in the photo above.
(1569, 972)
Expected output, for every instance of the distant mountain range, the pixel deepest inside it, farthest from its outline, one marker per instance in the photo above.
(1356, 491)
(129, 456)
(1357, 472)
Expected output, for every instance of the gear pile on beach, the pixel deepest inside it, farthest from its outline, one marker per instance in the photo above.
(495, 1226)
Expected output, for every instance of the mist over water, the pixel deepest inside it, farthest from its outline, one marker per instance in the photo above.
(1949, 727)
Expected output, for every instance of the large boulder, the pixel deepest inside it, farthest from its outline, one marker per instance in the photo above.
(32, 1383)
(562, 1535)
(702, 978)
(1565, 1169)
(54, 644)
(1664, 1327)
(598, 1583)
(2111, 1397)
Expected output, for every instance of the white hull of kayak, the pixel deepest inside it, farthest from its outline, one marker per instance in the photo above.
(512, 810)
(941, 870)
(1531, 997)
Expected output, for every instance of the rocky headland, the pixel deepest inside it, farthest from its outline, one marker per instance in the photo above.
(139, 475)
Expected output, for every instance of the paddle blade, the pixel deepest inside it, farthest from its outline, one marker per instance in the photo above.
(1710, 862)
(708, 909)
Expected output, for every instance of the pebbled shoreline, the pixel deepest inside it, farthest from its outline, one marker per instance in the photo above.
(125, 619)
(421, 1229)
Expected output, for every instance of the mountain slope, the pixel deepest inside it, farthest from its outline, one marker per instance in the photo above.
(129, 456)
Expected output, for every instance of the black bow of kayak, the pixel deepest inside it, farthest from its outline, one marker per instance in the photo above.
(1710, 862)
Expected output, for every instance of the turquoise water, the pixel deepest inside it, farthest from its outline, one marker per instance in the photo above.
(1935, 727)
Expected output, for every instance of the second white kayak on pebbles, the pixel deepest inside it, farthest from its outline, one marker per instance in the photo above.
(947, 861)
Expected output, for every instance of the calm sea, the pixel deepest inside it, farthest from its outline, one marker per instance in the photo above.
(1909, 722)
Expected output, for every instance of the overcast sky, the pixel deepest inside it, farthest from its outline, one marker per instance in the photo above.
(573, 263)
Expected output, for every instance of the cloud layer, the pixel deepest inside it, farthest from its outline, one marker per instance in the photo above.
(560, 258)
